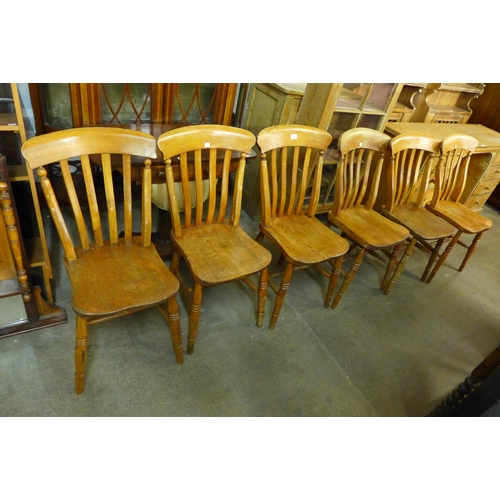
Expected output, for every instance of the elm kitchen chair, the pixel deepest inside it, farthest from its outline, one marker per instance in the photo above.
(413, 158)
(451, 178)
(290, 189)
(115, 276)
(357, 181)
(205, 229)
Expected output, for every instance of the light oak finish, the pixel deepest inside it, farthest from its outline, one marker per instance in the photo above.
(451, 177)
(14, 122)
(362, 153)
(291, 160)
(268, 104)
(206, 233)
(110, 275)
(447, 103)
(15, 278)
(483, 174)
(413, 157)
(338, 107)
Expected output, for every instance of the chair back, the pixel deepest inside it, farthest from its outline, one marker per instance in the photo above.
(413, 158)
(92, 148)
(357, 180)
(291, 156)
(194, 154)
(451, 174)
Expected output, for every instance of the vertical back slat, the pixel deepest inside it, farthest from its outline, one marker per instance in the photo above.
(283, 180)
(316, 187)
(304, 181)
(172, 199)
(349, 179)
(186, 192)
(110, 198)
(146, 205)
(226, 166)
(293, 181)
(375, 180)
(363, 169)
(92, 200)
(274, 181)
(198, 186)
(75, 204)
(127, 196)
(264, 190)
(238, 191)
(399, 175)
(212, 185)
(416, 173)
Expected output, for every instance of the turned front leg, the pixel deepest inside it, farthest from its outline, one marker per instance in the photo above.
(80, 354)
(261, 296)
(194, 316)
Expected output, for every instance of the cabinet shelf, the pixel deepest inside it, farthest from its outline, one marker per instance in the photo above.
(8, 121)
(461, 87)
(17, 173)
(352, 102)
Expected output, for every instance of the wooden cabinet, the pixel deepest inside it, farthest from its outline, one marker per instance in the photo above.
(411, 98)
(442, 102)
(338, 107)
(22, 307)
(484, 168)
(267, 104)
(486, 111)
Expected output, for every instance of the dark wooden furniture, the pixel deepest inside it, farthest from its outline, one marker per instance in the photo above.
(110, 276)
(206, 233)
(476, 394)
(451, 176)
(291, 160)
(361, 157)
(413, 156)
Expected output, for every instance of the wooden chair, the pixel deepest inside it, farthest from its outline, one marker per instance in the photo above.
(356, 187)
(413, 158)
(290, 192)
(115, 276)
(451, 177)
(207, 235)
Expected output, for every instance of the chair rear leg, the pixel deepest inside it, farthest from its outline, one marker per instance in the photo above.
(261, 296)
(432, 259)
(471, 250)
(280, 296)
(334, 278)
(80, 353)
(401, 265)
(194, 316)
(349, 277)
(444, 256)
(390, 266)
(171, 313)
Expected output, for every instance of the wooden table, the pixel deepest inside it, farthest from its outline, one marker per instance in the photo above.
(484, 168)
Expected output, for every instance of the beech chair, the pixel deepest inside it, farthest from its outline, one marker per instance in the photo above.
(110, 275)
(207, 234)
(413, 158)
(357, 181)
(451, 177)
(290, 192)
